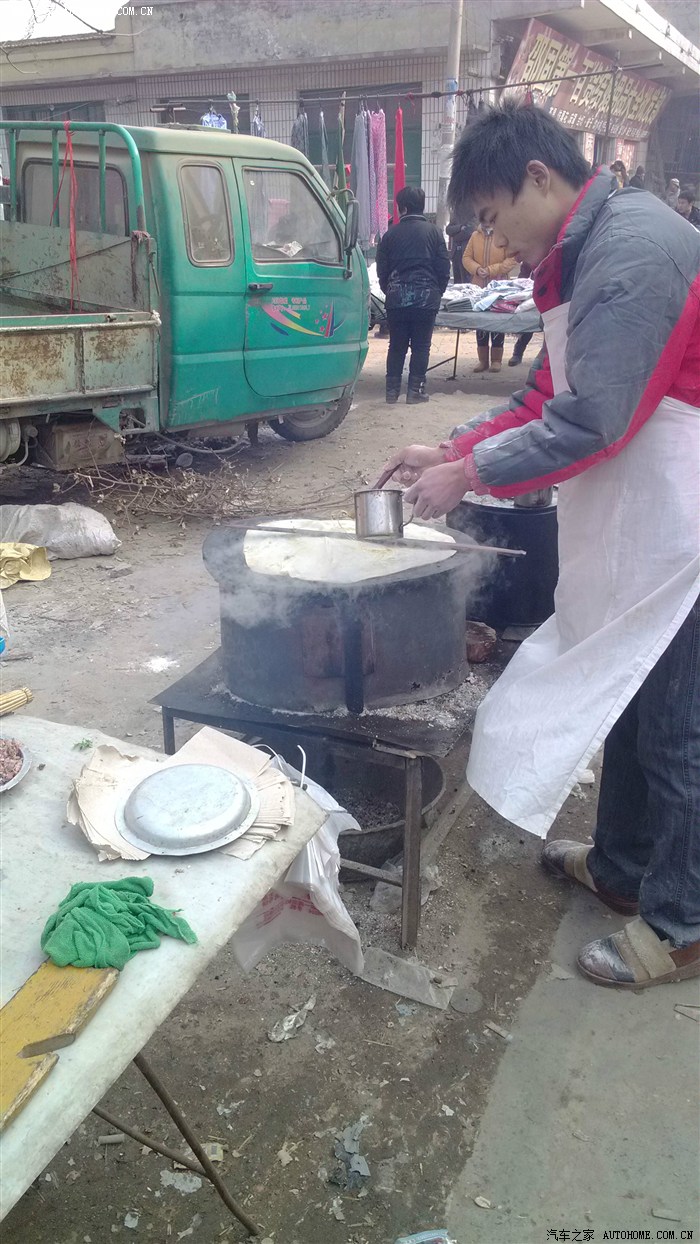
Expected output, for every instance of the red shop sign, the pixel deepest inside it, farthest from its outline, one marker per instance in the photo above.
(582, 104)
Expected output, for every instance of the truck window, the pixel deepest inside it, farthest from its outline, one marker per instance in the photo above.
(38, 197)
(205, 214)
(287, 222)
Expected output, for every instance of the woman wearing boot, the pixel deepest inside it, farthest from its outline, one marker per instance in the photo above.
(484, 261)
(413, 268)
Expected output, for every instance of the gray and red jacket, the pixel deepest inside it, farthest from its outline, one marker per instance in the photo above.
(629, 267)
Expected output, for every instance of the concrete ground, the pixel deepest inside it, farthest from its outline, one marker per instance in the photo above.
(586, 1119)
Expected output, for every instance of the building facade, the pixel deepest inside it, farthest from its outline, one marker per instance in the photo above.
(180, 59)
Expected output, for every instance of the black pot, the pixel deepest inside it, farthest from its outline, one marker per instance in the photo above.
(521, 591)
(306, 647)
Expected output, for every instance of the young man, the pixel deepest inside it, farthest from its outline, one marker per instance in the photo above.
(611, 413)
(413, 268)
(686, 206)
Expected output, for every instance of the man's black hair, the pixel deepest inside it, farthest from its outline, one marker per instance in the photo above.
(494, 151)
(687, 192)
(411, 199)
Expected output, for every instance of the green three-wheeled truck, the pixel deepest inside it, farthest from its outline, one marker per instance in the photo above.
(169, 280)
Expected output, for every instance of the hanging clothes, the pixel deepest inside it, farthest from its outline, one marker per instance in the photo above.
(359, 176)
(234, 109)
(325, 161)
(257, 125)
(300, 132)
(400, 164)
(373, 215)
(340, 181)
(213, 120)
(380, 170)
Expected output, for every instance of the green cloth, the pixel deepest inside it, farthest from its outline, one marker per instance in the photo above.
(101, 924)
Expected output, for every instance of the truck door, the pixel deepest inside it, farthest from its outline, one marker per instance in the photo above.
(202, 279)
(304, 318)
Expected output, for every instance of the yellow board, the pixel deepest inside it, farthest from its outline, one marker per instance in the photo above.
(46, 1014)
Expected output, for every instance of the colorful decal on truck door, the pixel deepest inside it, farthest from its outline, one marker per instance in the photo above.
(286, 314)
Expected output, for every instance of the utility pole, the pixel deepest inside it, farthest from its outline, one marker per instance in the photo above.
(608, 119)
(449, 126)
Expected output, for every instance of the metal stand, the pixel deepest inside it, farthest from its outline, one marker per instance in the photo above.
(410, 883)
(452, 358)
(203, 1166)
(191, 698)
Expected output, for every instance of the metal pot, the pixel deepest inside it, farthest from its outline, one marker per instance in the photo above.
(521, 590)
(534, 500)
(305, 646)
(379, 512)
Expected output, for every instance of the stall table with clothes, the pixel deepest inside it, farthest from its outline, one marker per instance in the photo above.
(43, 856)
(517, 322)
(456, 311)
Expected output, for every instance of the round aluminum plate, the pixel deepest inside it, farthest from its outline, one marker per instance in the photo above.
(185, 809)
(26, 766)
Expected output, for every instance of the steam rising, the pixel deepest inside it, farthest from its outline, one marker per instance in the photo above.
(264, 578)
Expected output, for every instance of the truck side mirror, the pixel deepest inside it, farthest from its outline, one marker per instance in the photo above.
(352, 225)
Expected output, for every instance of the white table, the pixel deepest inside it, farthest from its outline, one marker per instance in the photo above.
(42, 856)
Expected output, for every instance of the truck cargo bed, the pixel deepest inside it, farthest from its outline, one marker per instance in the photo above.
(69, 360)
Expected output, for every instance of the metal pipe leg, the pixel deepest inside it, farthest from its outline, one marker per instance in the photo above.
(143, 1139)
(168, 732)
(184, 1128)
(454, 369)
(410, 894)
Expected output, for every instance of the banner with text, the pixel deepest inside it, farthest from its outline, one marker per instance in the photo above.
(583, 103)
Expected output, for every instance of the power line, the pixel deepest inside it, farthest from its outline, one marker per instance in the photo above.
(309, 97)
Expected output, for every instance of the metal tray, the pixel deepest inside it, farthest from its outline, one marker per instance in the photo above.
(26, 766)
(186, 809)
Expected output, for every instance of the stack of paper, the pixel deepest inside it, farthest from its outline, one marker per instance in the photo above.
(110, 775)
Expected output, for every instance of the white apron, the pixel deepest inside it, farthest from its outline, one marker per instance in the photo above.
(629, 552)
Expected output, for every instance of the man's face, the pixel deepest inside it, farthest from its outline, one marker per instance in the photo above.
(528, 225)
(684, 206)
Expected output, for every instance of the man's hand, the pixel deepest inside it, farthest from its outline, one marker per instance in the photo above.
(408, 464)
(438, 490)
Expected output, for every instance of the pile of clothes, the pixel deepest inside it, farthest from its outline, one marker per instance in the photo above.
(505, 295)
(461, 296)
(501, 295)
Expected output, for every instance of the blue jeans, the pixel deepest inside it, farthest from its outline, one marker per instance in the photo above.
(647, 840)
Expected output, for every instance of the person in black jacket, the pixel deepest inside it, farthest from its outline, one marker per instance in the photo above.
(413, 268)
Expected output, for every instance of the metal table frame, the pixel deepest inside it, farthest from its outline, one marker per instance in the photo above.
(489, 321)
(452, 357)
(377, 733)
(201, 1164)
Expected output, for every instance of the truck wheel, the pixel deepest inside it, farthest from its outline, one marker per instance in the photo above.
(311, 425)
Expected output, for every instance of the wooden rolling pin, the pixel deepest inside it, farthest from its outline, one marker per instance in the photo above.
(11, 700)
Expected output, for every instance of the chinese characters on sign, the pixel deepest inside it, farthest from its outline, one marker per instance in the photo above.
(576, 1237)
(583, 103)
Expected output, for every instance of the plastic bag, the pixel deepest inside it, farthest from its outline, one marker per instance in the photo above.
(67, 530)
(306, 905)
(427, 1237)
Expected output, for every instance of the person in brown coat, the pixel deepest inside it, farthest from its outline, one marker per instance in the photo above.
(484, 261)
